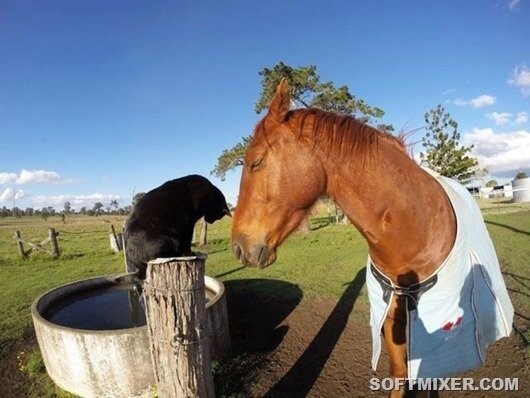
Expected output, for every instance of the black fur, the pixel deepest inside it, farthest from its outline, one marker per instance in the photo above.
(162, 221)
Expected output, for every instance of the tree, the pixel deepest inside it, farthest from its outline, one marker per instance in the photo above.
(231, 158)
(481, 172)
(491, 183)
(137, 197)
(4, 212)
(443, 152)
(520, 175)
(67, 208)
(44, 213)
(306, 91)
(17, 212)
(98, 206)
(114, 203)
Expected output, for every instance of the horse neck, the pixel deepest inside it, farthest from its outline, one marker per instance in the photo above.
(402, 212)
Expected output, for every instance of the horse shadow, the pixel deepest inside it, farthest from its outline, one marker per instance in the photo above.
(257, 307)
(301, 377)
(520, 231)
(256, 310)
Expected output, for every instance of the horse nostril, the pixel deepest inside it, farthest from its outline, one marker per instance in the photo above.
(261, 254)
(237, 250)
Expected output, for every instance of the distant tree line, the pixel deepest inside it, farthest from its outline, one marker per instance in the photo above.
(98, 209)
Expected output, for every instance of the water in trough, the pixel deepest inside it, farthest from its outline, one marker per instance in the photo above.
(112, 307)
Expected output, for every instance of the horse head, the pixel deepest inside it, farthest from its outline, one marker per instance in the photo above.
(281, 179)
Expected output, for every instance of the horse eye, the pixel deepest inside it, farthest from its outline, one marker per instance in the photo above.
(255, 164)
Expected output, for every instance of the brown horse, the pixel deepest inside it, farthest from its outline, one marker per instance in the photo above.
(297, 156)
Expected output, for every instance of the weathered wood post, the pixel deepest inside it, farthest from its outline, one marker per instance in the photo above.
(116, 240)
(53, 240)
(20, 244)
(175, 306)
(204, 233)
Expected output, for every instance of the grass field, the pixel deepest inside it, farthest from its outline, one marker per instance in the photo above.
(320, 264)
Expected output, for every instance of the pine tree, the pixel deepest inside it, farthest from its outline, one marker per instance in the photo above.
(443, 151)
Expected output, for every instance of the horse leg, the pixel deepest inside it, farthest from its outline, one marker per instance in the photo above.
(395, 334)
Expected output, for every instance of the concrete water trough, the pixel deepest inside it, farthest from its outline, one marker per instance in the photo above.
(93, 335)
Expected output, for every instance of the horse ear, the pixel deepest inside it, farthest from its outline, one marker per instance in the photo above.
(281, 103)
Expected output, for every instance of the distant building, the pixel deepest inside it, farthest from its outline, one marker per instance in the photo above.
(498, 191)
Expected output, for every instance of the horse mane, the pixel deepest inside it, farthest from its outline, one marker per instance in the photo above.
(343, 135)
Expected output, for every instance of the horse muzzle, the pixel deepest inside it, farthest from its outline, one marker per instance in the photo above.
(258, 255)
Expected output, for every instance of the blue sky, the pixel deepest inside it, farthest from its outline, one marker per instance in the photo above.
(101, 99)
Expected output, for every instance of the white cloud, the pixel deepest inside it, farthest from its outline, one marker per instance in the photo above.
(504, 153)
(77, 201)
(9, 194)
(8, 178)
(479, 102)
(499, 118)
(521, 118)
(503, 118)
(512, 4)
(38, 177)
(32, 177)
(521, 78)
(483, 100)
(448, 91)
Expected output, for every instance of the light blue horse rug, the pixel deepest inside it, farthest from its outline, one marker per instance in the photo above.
(463, 306)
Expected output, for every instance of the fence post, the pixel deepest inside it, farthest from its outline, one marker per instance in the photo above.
(204, 233)
(175, 306)
(20, 245)
(116, 240)
(53, 240)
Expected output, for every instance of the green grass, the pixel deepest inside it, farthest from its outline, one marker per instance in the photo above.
(85, 252)
(501, 205)
(510, 233)
(320, 264)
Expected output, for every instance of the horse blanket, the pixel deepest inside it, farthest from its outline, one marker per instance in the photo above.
(467, 308)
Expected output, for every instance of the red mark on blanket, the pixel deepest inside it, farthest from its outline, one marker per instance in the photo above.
(450, 325)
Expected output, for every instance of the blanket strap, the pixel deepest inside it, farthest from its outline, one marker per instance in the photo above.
(412, 293)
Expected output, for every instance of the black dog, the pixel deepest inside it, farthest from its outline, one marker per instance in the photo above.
(162, 221)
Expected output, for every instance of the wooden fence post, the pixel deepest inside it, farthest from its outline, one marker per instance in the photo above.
(53, 240)
(20, 245)
(204, 233)
(116, 240)
(175, 306)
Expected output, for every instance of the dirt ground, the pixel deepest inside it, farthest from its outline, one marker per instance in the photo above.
(287, 346)
(322, 348)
